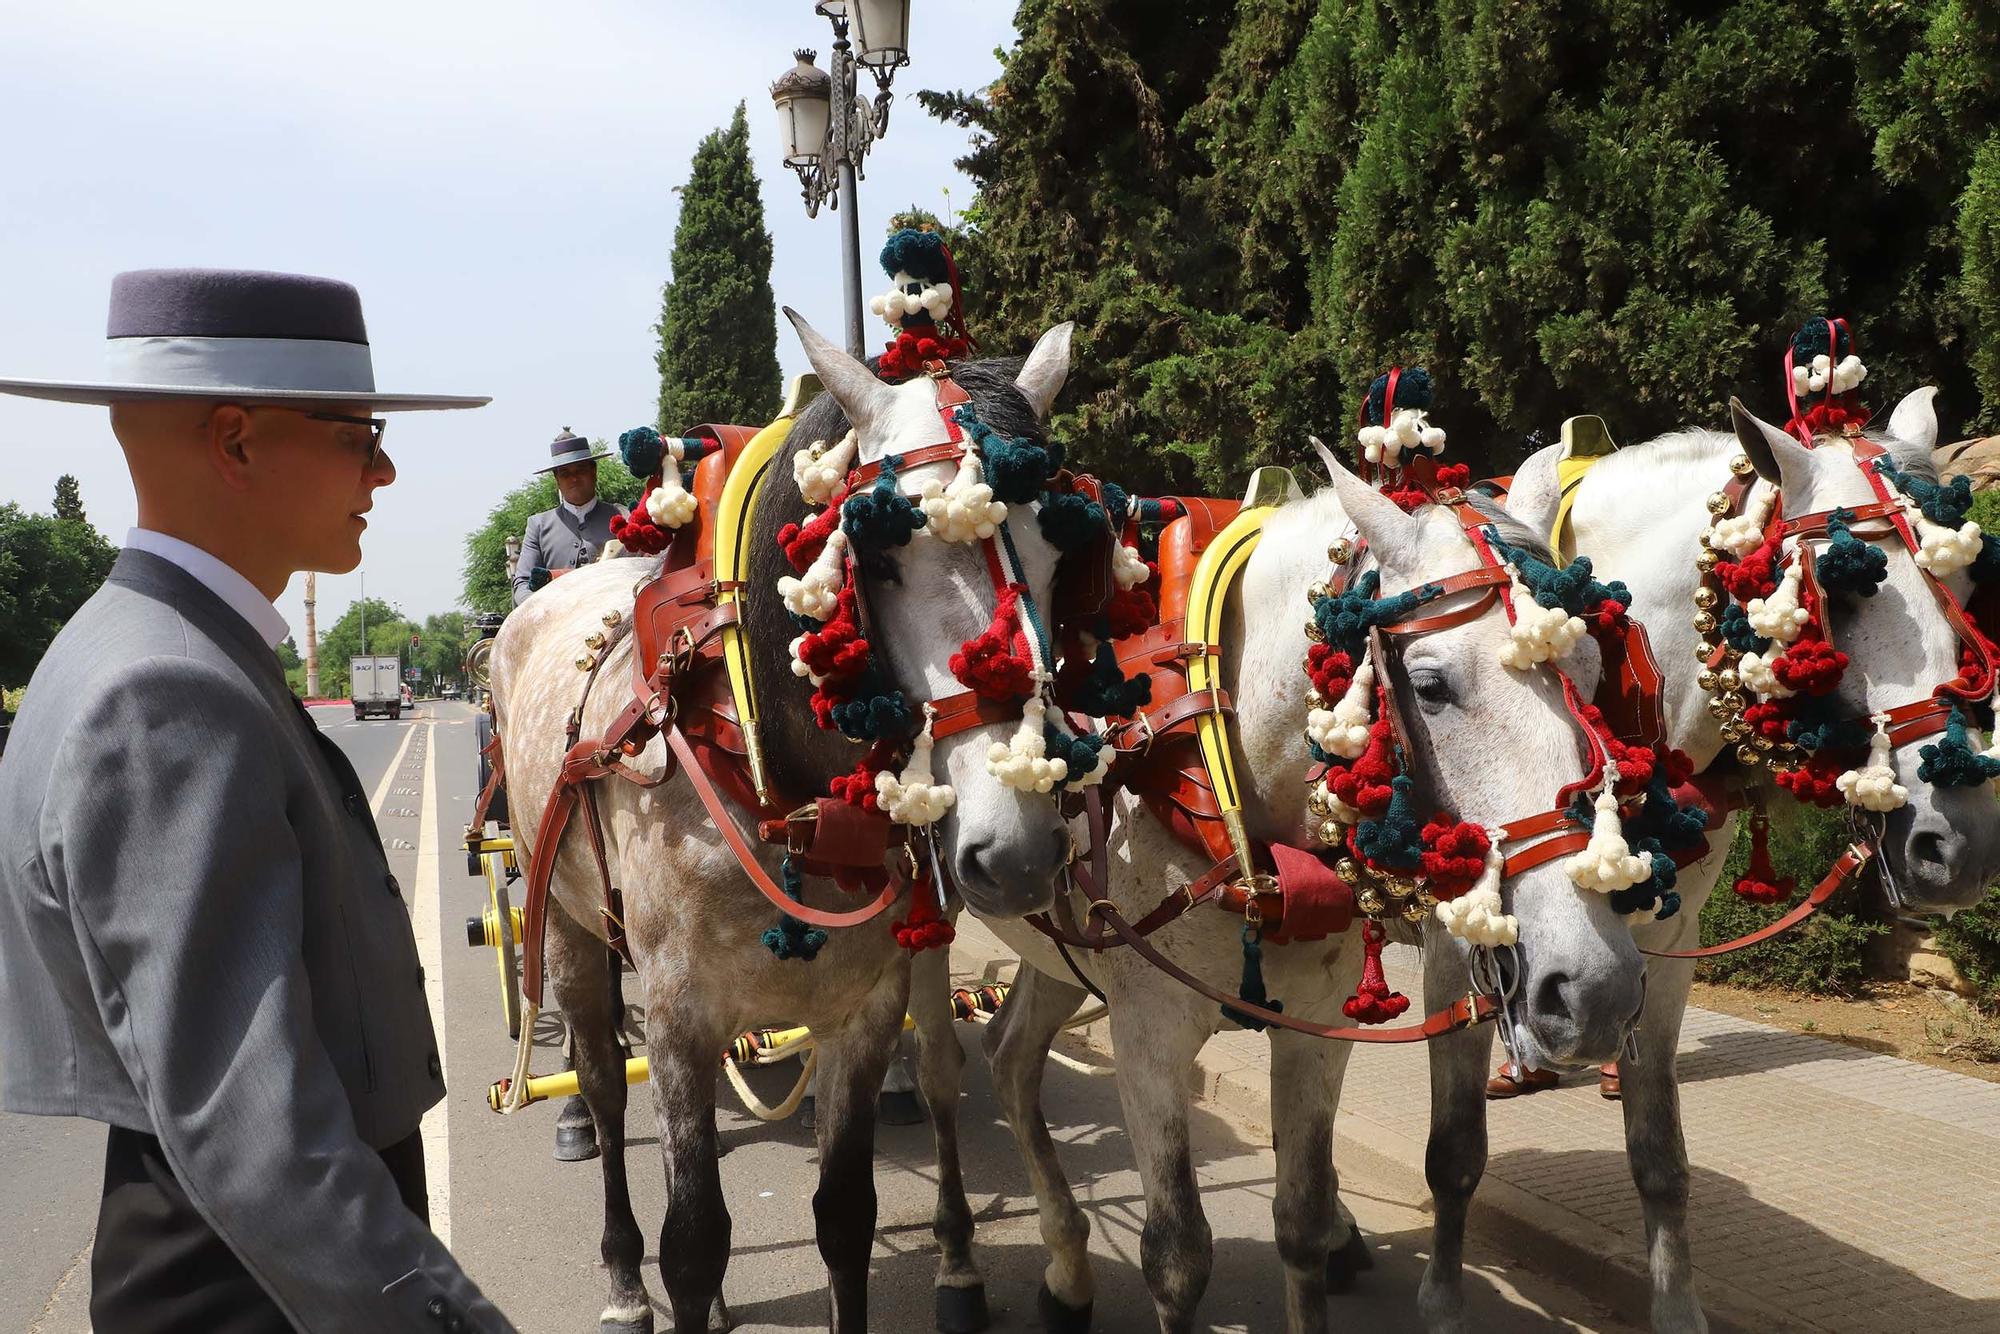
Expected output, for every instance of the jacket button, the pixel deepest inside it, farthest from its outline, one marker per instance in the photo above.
(455, 1324)
(353, 803)
(435, 1309)
(436, 1068)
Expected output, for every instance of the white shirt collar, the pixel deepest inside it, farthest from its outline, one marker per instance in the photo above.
(582, 512)
(218, 578)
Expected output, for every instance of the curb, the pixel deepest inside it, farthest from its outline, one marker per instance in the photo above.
(1605, 1265)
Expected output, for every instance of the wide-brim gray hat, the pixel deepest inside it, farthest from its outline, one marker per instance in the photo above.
(238, 335)
(566, 449)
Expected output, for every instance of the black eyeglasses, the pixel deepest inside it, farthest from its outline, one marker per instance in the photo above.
(377, 428)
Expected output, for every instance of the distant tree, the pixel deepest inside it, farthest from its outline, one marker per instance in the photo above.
(69, 499)
(48, 568)
(489, 585)
(288, 654)
(718, 329)
(442, 656)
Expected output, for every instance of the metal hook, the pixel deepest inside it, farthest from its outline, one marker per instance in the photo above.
(1630, 1054)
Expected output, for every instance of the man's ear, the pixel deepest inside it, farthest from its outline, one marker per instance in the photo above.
(229, 448)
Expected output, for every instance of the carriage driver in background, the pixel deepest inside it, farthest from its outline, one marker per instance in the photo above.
(576, 530)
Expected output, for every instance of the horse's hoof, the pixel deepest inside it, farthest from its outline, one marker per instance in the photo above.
(899, 1107)
(576, 1144)
(1345, 1264)
(962, 1310)
(643, 1324)
(1060, 1319)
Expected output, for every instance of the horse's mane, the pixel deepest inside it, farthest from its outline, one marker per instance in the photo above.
(801, 755)
(1696, 445)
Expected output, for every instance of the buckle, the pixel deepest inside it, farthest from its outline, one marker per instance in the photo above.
(798, 829)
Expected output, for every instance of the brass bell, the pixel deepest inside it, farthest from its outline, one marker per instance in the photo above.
(1734, 699)
(1320, 803)
(1717, 709)
(594, 641)
(1415, 911)
(1331, 832)
(1707, 680)
(1746, 754)
(1314, 633)
(1762, 743)
(584, 663)
(1370, 902)
(1347, 869)
(1427, 899)
(1704, 622)
(1708, 559)
(1727, 679)
(1742, 466)
(1734, 730)
(1315, 592)
(611, 618)
(1315, 700)
(1704, 597)
(1718, 503)
(1702, 652)
(1340, 552)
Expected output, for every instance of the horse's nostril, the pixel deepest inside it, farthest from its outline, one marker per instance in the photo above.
(1552, 996)
(1930, 847)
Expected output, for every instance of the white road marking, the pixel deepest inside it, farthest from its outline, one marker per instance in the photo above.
(389, 774)
(424, 919)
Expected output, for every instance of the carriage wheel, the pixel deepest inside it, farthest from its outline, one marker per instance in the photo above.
(498, 867)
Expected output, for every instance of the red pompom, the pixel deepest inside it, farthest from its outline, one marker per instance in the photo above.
(987, 664)
(925, 928)
(1372, 1001)
(802, 542)
(1131, 611)
(1810, 667)
(1457, 475)
(1816, 782)
(1610, 615)
(1331, 670)
(1760, 881)
(1767, 719)
(1409, 499)
(638, 532)
(1454, 856)
(837, 649)
(856, 788)
(1364, 784)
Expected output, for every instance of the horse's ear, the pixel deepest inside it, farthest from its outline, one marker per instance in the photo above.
(1776, 455)
(861, 396)
(1914, 422)
(1043, 373)
(1381, 522)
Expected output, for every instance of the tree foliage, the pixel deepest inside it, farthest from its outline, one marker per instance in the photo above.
(489, 585)
(48, 568)
(1559, 206)
(718, 329)
(389, 634)
(69, 499)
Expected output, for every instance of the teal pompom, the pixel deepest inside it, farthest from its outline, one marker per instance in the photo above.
(1850, 565)
(1017, 470)
(1952, 762)
(1107, 692)
(874, 717)
(1736, 631)
(792, 938)
(1394, 840)
(642, 449)
(1945, 504)
(1344, 619)
(1986, 566)
(1572, 588)
(1078, 752)
(1071, 522)
(1413, 390)
(881, 516)
(918, 253)
(1251, 990)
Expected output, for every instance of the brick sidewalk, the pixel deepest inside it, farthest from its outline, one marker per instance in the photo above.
(1832, 1189)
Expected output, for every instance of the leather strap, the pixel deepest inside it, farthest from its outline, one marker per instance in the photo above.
(1843, 870)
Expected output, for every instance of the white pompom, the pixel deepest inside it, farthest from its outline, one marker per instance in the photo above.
(912, 797)
(1780, 616)
(1128, 567)
(1608, 863)
(1945, 551)
(819, 471)
(944, 291)
(1873, 787)
(1539, 634)
(1433, 439)
(1346, 814)
(1343, 729)
(818, 594)
(1757, 675)
(1478, 916)
(1820, 364)
(1371, 437)
(799, 667)
(965, 511)
(1023, 762)
(1096, 773)
(1848, 374)
(670, 504)
(876, 306)
(1815, 383)
(1741, 534)
(1801, 380)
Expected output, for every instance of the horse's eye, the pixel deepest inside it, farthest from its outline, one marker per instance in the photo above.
(1431, 688)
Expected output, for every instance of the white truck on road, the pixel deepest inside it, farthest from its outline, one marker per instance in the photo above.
(377, 685)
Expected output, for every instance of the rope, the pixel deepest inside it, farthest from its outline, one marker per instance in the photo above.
(517, 1088)
(791, 1102)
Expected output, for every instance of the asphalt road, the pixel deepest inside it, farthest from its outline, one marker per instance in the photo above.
(527, 1227)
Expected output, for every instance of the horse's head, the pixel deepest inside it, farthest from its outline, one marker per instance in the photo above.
(925, 598)
(1489, 744)
(1941, 847)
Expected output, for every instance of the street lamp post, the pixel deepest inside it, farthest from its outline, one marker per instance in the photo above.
(827, 149)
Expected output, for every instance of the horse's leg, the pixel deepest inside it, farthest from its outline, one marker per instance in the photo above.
(961, 1290)
(852, 1061)
(1456, 1156)
(578, 964)
(694, 1238)
(1305, 1091)
(1157, 1040)
(576, 1132)
(1656, 1148)
(1017, 1052)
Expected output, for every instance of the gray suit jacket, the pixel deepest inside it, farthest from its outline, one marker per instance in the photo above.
(200, 939)
(555, 540)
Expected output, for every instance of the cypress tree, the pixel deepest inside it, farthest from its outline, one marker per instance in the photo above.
(69, 498)
(718, 329)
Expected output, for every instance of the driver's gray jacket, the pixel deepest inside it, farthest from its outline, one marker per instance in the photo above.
(557, 540)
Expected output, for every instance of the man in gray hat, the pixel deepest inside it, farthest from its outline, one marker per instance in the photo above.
(201, 944)
(575, 531)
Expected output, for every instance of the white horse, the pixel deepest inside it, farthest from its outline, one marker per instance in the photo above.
(694, 925)
(1489, 743)
(1640, 515)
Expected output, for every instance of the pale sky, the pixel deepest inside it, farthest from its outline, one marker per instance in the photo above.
(497, 178)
